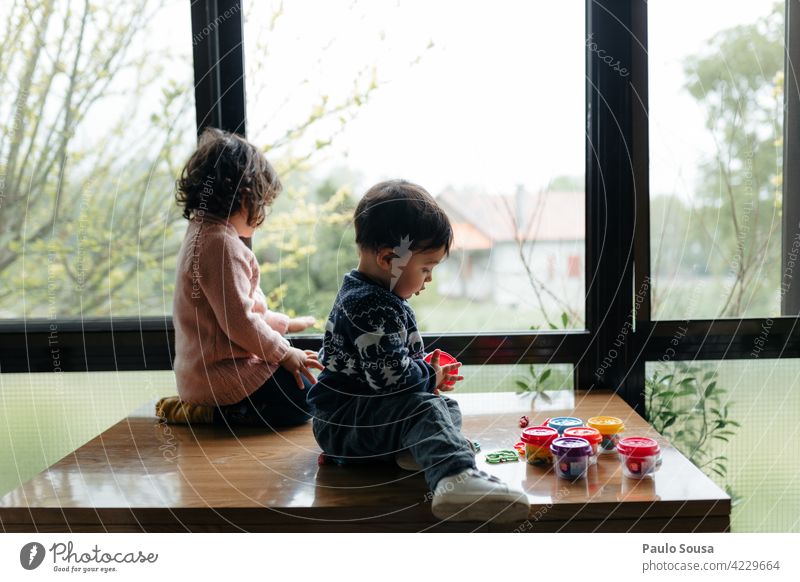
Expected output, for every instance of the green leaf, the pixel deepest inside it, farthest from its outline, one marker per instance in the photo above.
(545, 375)
(710, 389)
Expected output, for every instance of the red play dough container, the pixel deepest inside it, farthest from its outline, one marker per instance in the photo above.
(444, 359)
(537, 441)
(639, 456)
(590, 434)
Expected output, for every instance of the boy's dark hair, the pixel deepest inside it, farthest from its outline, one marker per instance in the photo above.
(395, 209)
(224, 173)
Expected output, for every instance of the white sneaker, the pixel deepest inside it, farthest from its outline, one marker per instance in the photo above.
(474, 495)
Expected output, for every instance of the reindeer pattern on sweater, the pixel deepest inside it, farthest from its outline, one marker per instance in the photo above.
(371, 344)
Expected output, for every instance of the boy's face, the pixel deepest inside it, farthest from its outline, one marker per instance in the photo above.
(416, 273)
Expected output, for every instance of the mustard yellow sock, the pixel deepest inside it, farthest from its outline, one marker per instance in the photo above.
(174, 411)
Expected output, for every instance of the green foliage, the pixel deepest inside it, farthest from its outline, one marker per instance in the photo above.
(566, 321)
(90, 223)
(567, 184)
(307, 245)
(687, 406)
(539, 379)
(730, 232)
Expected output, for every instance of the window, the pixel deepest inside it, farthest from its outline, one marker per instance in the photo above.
(367, 91)
(716, 158)
(46, 416)
(715, 412)
(98, 121)
(372, 90)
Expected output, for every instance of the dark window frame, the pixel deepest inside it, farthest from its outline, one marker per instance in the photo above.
(729, 338)
(617, 233)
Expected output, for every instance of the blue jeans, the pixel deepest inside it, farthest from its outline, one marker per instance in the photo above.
(376, 426)
(277, 403)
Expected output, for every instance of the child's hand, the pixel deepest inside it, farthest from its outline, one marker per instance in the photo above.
(299, 362)
(297, 324)
(444, 373)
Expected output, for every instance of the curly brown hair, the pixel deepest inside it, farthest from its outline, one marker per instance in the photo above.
(225, 173)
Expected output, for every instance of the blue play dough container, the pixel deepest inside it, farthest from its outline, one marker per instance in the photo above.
(571, 456)
(562, 423)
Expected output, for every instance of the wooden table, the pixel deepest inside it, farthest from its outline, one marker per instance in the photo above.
(144, 475)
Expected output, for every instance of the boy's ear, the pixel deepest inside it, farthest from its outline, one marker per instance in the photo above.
(384, 258)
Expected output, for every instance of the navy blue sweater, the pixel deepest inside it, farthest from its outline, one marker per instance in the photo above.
(371, 346)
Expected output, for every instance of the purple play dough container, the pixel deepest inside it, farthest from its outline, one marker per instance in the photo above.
(571, 456)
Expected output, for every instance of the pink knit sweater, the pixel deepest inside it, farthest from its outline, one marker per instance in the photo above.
(227, 343)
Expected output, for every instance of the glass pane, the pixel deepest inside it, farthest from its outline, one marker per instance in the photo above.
(737, 421)
(96, 119)
(366, 91)
(46, 416)
(716, 126)
(518, 378)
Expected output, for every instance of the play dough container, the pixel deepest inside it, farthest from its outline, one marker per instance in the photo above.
(562, 423)
(444, 359)
(590, 434)
(571, 456)
(611, 428)
(537, 441)
(639, 456)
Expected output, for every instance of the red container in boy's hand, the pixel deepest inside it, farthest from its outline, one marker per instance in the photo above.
(444, 359)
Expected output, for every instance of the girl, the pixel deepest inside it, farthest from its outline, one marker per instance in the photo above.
(232, 363)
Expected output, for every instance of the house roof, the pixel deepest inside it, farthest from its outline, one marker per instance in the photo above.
(469, 238)
(480, 218)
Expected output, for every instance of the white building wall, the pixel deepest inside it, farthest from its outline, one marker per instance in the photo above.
(499, 276)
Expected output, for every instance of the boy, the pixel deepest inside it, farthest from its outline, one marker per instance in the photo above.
(376, 395)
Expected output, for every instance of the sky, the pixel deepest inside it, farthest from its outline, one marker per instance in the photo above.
(496, 98)
(678, 139)
(468, 96)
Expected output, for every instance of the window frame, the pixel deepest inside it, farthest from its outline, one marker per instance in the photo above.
(729, 338)
(617, 232)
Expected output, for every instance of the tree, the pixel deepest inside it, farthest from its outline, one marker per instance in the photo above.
(85, 220)
(557, 312)
(91, 143)
(738, 81)
(308, 245)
